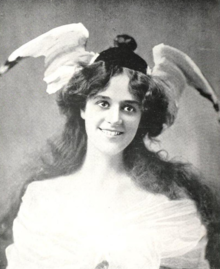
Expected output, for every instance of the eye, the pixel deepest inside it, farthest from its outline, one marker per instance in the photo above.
(129, 109)
(103, 104)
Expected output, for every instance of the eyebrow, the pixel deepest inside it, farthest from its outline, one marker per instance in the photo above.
(131, 102)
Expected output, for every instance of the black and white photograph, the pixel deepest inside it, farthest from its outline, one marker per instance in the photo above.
(109, 134)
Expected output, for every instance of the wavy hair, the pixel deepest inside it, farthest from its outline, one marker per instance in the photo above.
(148, 169)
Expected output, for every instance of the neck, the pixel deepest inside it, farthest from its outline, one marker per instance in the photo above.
(101, 165)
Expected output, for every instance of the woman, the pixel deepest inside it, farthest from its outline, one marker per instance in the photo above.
(106, 200)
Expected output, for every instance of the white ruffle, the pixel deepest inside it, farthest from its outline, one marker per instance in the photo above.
(58, 227)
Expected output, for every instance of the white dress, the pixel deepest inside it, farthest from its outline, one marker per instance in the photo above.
(62, 225)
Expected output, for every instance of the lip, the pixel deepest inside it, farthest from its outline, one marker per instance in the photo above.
(111, 132)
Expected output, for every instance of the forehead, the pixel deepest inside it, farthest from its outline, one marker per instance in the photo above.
(118, 88)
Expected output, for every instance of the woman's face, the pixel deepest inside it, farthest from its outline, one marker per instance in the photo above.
(112, 117)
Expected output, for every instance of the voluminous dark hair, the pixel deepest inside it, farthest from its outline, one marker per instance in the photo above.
(68, 152)
(95, 78)
(148, 169)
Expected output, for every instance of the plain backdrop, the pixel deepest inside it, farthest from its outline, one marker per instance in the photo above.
(28, 116)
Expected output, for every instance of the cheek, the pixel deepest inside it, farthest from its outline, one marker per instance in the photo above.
(135, 122)
(133, 128)
(92, 122)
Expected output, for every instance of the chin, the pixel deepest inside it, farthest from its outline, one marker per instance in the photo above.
(110, 147)
(111, 150)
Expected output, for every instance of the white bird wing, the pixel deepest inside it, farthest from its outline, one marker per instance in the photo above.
(64, 49)
(176, 70)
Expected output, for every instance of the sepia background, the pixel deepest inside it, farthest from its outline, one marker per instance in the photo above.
(29, 116)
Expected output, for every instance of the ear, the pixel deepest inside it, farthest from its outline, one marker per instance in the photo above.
(82, 113)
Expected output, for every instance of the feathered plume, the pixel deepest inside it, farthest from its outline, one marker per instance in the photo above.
(176, 70)
(64, 51)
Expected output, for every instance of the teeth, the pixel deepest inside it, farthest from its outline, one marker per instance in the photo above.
(111, 133)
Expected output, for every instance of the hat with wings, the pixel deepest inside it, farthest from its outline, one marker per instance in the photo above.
(65, 54)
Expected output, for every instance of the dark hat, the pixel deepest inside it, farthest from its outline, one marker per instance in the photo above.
(123, 55)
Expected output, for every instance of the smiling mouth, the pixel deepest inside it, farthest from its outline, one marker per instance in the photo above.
(111, 132)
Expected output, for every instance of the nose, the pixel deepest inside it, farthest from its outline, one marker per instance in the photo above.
(114, 116)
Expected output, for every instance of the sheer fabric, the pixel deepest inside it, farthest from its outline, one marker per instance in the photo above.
(62, 225)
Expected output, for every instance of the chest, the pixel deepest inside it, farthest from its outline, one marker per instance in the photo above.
(103, 212)
(109, 224)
